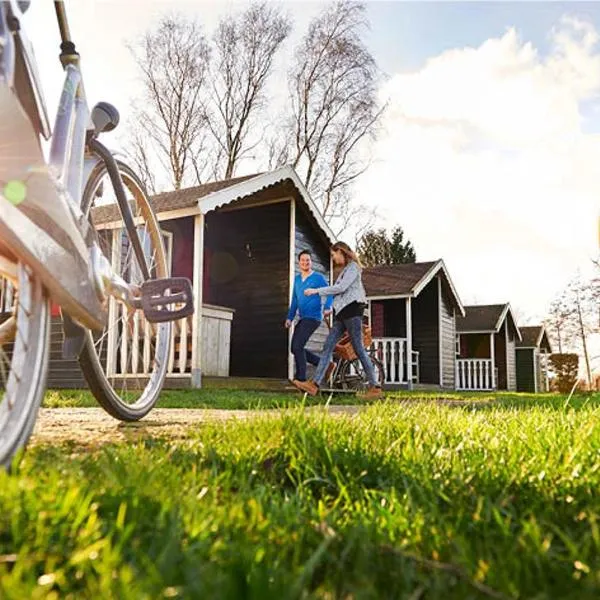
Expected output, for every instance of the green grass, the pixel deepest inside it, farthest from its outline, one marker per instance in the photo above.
(406, 500)
(207, 398)
(235, 399)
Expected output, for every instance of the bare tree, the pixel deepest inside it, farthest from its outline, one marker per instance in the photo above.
(173, 59)
(559, 323)
(244, 48)
(334, 107)
(140, 156)
(574, 317)
(582, 304)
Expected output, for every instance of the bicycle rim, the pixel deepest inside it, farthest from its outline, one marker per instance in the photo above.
(125, 365)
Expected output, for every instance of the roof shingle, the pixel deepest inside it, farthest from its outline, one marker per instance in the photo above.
(530, 336)
(479, 318)
(394, 280)
(167, 201)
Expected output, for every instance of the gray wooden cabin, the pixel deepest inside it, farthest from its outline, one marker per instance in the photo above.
(237, 240)
(485, 344)
(412, 311)
(532, 354)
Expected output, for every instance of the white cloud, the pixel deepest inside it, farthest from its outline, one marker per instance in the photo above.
(484, 162)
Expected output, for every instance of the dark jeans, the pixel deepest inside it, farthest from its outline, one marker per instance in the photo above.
(302, 332)
(354, 327)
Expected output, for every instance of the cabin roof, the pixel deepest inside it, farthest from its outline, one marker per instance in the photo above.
(486, 318)
(534, 336)
(406, 280)
(213, 195)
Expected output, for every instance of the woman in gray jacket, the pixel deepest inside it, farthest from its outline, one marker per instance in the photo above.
(349, 301)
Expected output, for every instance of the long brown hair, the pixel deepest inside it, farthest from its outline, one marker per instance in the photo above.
(348, 253)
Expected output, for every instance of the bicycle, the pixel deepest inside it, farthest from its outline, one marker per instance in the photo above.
(106, 281)
(348, 372)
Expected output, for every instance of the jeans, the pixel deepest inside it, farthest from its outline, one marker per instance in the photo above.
(354, 328)
(302, 332)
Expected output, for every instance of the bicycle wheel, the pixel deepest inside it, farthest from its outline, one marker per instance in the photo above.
(24, 351)
(125, 365)
(353, 376)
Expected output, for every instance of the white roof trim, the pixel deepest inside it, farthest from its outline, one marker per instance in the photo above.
(389, 297)
(439, 265)
(251, 186)
(475, 331)
(503, 316)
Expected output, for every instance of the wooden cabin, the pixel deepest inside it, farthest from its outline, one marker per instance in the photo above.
(237, 241)
(486, 337)
(412, 310)
(532, 354)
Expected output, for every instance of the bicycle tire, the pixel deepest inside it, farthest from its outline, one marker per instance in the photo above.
(358, 380)
(22, 386)
(114, 390)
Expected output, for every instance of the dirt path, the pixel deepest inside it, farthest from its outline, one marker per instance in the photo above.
(94, 426)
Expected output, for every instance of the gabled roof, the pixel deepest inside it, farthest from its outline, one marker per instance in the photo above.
(486, 318)
(210, 196)
(534, 337)
(406, 280)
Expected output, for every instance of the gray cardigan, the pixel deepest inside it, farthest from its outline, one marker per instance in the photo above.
(347, 288)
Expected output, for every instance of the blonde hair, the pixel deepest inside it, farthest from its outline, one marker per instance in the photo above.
(348, 253)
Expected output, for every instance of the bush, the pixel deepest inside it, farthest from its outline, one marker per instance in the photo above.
(566, 367)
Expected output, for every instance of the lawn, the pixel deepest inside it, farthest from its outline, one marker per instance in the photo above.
(239, 399)
(406, 500)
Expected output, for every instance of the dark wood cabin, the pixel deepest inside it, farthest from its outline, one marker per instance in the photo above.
(413, 310)
(237, 241)
(532, 354)
(485, 343)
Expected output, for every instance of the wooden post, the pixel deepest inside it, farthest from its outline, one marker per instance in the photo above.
(198, 271)
(409, 371)
(536, 369)
(291, 281)
(493, 357)
(440, 329)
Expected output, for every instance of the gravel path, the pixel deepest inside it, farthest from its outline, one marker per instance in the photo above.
(93, 425)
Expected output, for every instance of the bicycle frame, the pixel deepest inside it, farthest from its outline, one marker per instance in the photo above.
(46, 229)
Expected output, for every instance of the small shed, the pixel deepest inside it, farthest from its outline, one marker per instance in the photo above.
(413, 310)
(486, 337)
(237, 240)
(532, 354)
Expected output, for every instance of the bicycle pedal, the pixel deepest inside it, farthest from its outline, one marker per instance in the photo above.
(168, 299)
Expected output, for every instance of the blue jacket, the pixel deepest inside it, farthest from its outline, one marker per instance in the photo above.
(309, 307)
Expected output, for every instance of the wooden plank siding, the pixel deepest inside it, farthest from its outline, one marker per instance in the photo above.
(246, 262)
(425, 330)
(500, 356)
(448, 332)
(308, 239)
(524, 363)
(511, 368)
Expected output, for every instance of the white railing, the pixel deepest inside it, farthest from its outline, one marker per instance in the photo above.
(392, 352)
(474, 374)
(134, 344)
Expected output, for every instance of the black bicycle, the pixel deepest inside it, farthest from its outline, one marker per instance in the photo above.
(348, 373)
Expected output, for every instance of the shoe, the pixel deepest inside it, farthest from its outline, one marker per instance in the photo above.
(373, 393)
(329, 371)
(310, 387)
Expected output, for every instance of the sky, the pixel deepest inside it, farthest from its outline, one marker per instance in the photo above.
(489, 151)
